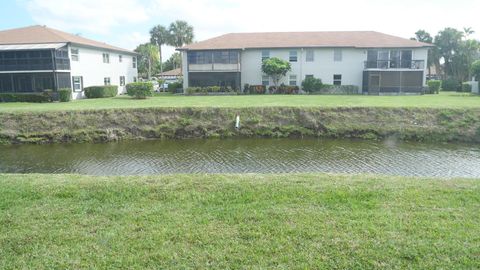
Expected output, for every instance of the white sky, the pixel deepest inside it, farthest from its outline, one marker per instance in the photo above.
(126, 23)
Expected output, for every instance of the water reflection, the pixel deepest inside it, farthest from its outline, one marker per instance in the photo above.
(245, 156)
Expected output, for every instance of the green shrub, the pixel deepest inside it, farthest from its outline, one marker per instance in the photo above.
(466, 87)
(434, 86)
(451, 85)
(103, 91)
(173, 87)
(140, 90)
(50, 95)
(257, 89)
(209, 89)
(285, 89)
(24, 97)
(64, 94)
(311, 84)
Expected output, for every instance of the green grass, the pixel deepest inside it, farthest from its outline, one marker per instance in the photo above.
(443, 100)
(313, 221)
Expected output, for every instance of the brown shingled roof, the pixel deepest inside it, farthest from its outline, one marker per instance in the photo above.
(355, 39)
(173, 72)
(41, 34)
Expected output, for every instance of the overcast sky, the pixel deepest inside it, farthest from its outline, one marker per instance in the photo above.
(126, 23)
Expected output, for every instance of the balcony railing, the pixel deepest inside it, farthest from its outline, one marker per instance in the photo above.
(394, 64)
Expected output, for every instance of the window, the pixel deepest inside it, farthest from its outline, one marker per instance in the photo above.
(134, 79)
(122, 80)
(106, 81)
(77, 83)
(265, 80)
(209, 57)
(337, 55)
(293, 80)
(293, 56)
(134, 62)
(120, 58)
(308, 76)
(337, 79)
(265, 55)
(106, 58)
(310, 56)
(74, 53)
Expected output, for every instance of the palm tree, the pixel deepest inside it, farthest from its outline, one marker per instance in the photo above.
(159, 35)
(148, 56)
(468, 31)
(181, 33)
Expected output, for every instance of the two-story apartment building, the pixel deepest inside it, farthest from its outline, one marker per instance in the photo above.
(375, 62)
(36, 58)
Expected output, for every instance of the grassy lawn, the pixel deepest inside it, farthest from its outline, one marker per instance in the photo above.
(238, 221)
(444, 100)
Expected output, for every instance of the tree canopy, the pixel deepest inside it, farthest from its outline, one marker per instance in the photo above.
(275, 68)
(148, 59)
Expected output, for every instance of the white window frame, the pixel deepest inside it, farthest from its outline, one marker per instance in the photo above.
(337, 81)
(122, 80)
(292, 78)
(309, 76)
(107, 81)
(337, 55)
(134, 62)
(75, 56)
(265, 80)
(106, 58)
(120, 58)
(293, 56)
(310, 55)
(135, 79)
(79, 83)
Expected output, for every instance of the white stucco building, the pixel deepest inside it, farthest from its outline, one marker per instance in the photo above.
(36, 58)
(375, 62)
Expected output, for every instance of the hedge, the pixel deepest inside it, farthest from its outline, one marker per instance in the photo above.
(434, 86)
(140, 90)
(466, 87)
(451, 85)
(209, 89)
(64, 94)
(25, 97)
(284, 89)
(173, 87)
(103, 91)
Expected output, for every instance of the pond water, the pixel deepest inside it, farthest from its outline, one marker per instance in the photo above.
(245, 156)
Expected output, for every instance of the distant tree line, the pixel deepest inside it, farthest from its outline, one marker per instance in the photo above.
(178, 34)
(453, 54)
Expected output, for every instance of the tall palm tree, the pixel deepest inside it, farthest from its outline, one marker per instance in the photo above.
(181, 33)
(148, 57)
(159, 35)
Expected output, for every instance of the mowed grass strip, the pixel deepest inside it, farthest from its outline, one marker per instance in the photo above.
(443, 100)
(238, 221)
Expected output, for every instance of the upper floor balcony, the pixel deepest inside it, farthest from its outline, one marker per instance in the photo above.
(208, 61)
(392, 64)
(26, 60)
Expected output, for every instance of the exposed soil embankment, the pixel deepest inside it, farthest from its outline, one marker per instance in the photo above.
(461, 125)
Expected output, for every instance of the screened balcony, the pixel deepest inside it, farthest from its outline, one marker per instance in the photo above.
(219, 61)
(21, 59)
(392, 59)
(395, 64)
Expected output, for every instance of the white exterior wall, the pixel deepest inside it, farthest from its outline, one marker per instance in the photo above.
(91, 67)
(185, 70)
(324, 67)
